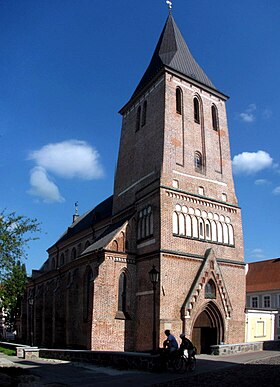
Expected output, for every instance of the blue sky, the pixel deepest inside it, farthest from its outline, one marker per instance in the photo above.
(68, 66)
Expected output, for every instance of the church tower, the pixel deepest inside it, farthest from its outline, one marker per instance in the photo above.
(174, 178)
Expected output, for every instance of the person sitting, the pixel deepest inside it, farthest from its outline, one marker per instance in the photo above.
(170, 343)
(188, 345)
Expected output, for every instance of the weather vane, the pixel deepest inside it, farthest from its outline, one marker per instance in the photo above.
(76, 208)
(169, 3)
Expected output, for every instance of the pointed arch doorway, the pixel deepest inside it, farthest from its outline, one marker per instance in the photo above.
(208, 328)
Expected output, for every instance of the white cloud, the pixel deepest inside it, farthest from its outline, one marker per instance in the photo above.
(248, 114)
(251, 162)
(262, 182)
(276, 191)
(43, 187)
(257, 253)
(69, 159)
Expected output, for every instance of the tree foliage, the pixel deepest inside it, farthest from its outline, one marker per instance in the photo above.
(12, 289)
(16, 231)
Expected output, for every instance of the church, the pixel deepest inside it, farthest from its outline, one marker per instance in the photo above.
(173, 214)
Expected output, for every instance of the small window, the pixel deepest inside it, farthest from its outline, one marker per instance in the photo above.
(198, 161)
(254, 302)
(62, 259)
(210, 290)
(224, 197)
(196, 111)
(175, 183)
(201, 191)
(122, 293)
(144, 114)
(73, 254)
(215, 120)
(266, 301)
(138, 118)
(179, 100)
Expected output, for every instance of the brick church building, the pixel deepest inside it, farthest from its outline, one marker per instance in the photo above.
(174, 207)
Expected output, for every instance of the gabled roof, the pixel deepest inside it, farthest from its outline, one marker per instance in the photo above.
(102, 211)
(263, 276)
(106, 237)
(173, 52)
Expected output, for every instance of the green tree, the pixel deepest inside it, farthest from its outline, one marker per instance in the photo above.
(12, 289)
(16, 231)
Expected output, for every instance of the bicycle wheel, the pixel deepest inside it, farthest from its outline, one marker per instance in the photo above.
(180, 365)
(192, 364)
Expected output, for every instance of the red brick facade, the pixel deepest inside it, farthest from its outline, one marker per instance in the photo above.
(174, 206)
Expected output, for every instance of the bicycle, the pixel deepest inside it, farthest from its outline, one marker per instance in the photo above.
(183, 363)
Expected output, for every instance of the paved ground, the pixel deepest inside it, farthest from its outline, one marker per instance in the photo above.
(259, 368)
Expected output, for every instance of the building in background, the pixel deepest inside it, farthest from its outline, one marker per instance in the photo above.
(173, 208)
(263, 296)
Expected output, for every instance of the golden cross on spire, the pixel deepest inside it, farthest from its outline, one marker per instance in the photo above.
(169, 3)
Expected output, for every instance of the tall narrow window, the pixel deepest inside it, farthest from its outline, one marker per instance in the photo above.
(122, 293)
(73, 254)
(196, 110)
(198, 161)
(138, 119)
(88, 299)
(144, 114)
(215, 119)
(179, 100)
(210, 289)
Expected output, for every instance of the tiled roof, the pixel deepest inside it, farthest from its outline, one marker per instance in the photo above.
(263, 276)
(102, 211)
(173, 52)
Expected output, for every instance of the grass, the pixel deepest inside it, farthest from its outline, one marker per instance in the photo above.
(7, 351)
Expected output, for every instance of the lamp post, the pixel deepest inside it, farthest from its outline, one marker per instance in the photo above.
(31, 303)
(154, 278)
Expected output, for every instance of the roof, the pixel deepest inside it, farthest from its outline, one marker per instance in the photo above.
(102, 211)
(263, 276)
(105, 238)
(173, 52)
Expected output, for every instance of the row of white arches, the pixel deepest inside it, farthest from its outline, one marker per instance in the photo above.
(192, 226)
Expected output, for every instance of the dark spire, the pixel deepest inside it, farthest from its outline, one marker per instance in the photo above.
(172, 52)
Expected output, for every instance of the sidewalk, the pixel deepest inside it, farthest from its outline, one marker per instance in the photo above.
(62, 373)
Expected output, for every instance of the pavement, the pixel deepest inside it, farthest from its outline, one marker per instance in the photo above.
(53, 373)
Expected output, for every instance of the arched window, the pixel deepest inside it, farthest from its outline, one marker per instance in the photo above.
(122, 293)
(73, 254)
(62, 259)
(182, 226)
(196, 112)
(138, 118)
(175, 223)
(88, 293)
(225, 232)
(87, 244)
(231, 234)
(207, 230)
(179, 100)
(214, 231)
(210, 289)
(220, 232)
(194, 227)
(201, 229)
(188, 226)
(215, 119)
(79, 249)
(198, 161)
(144, 114)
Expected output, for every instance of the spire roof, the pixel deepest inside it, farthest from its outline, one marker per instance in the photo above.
(172, 52)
